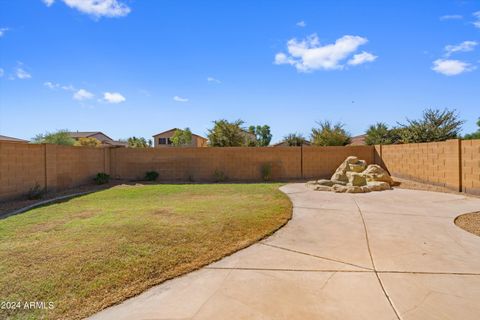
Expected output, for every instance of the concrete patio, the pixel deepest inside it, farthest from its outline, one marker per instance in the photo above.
(381, 255)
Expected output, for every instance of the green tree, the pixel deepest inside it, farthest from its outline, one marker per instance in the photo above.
(262, 134)
(87, 142)
(379, 133)
(435, 125)
(294, 139)
(182, 137)
(227, 134)
(61, 137)
(328, 134)
(474, 135)
(134, 142)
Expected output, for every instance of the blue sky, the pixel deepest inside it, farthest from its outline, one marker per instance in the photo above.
(141, 67)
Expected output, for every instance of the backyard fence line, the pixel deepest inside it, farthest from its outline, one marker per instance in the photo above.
(452, 164)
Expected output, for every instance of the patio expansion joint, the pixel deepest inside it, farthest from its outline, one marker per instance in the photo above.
(315, 256)
(373, 262)
(429, 273)
(289, 270)
(347, 271)
(406, 214)
(334, 210)
(211, 295)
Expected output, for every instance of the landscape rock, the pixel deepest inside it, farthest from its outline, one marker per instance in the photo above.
(354, 176)
(325, 182)
(376, 173)
(354, 189)
(351, 164)
(338, 188)
(322, 188)
(378, 185)
(356, 179)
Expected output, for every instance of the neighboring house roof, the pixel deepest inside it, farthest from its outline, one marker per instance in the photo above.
(116, 143)
(358, 140)
(86, 134)
(285, 144)
(252, 135)
(11, 139)
(174, 129)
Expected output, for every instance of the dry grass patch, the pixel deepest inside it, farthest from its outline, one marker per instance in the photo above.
(96, 250)
(469, 222)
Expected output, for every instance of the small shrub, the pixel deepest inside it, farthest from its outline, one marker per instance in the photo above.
(36, 192)
(151, 175)
(219, 176)
(102, 178)
(266, 172)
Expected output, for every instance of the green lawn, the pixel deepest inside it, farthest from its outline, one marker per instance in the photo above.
(96, 250)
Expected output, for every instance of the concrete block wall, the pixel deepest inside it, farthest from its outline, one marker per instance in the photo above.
(321, 162)
(77, 166)
(53, 167)
(452, 164)
(470, 159)
(21, 167)
(199, 164)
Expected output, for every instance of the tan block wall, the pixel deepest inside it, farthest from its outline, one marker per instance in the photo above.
(452, 164)
(471, 166)
(78, 165)
(178, 164)
(21, 167)
(435, 163)
(51, 166)
(321, 162)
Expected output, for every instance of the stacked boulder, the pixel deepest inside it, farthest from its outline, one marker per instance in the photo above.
(354, 176)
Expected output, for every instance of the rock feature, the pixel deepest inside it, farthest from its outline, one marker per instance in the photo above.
(354, 176)
(376, 173)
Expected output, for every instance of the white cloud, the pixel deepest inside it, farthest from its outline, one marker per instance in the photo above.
(82, 94)
(465, 46)
(301, 24)
(180, 99)
(308, 55)
(451, 67)
(97, 8)
(113, 97)
(22, 74)
(451, 17)
(68, 88)
(55, 86)
(51, 85)
(48, 3)
(212, 79)
(477, 17)
(2, 31)
(1, 72)
(363, 57)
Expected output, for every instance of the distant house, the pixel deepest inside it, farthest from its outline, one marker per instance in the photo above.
(100, 136)
(358, 140)
(285, 144)
(11, 139)
(163, 139)
(249, 137)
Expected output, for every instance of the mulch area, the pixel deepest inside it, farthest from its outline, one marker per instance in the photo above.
(414, 185)
(469, 222)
